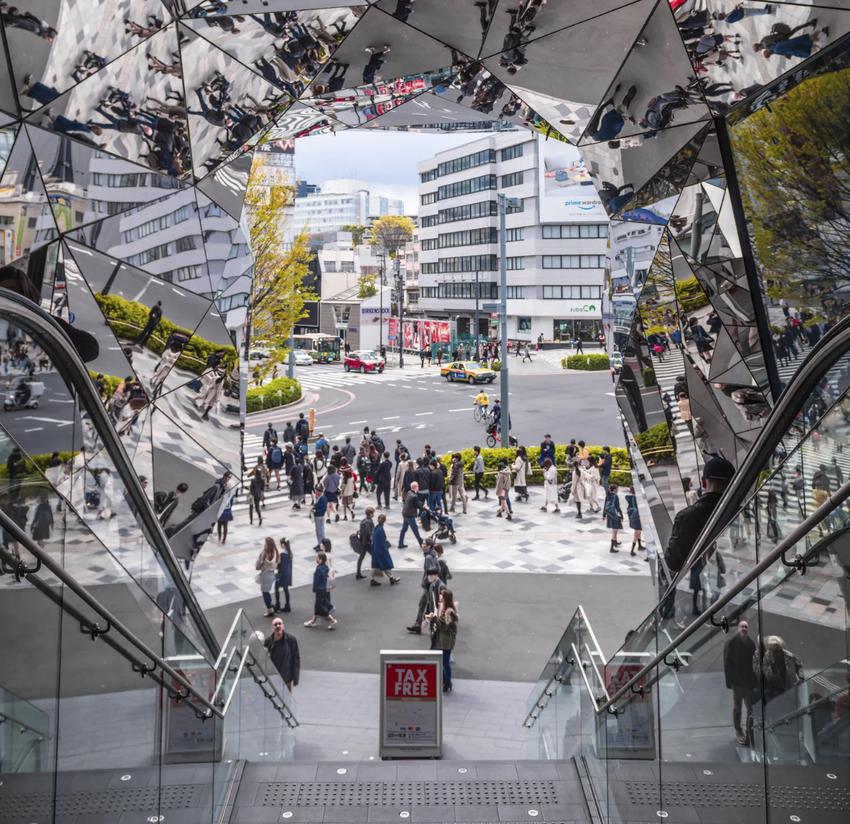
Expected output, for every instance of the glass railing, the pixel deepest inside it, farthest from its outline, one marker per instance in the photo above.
(24, 735)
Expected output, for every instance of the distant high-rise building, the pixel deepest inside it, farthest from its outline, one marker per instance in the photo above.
(341, 203)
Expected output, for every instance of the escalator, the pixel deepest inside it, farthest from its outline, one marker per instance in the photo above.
(108, 661)
(678, 725)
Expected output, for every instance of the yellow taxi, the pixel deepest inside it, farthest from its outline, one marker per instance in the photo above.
(467, 372)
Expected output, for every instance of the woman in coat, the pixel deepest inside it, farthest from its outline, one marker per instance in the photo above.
(503, 491)
(382, 561)
(444, 622)
(550, 487)
(613, 516)
(347, 490)
(224, 518)
(283, 581)
(578, 494)
(634, 518)
(267, 567)
(520, 469)
(321, 583)
(398, 478)
(590, 479)
(296, 485)
(408, 477)
(42, 521)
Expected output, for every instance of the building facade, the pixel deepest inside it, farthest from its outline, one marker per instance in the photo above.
(555, 261)
(339, 203)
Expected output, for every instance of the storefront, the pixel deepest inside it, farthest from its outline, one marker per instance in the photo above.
(574, 329)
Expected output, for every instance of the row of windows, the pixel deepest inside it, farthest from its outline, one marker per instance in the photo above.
(514, 263)
(156, 225)
(469, 263)
(491, 291)
(468, 237)
(344, 266)
(182, 244)
(466, 187)
(427, 199)
(429, 244)
(513, 234)
(571, 231)
(122, 181)
(572, 292)
(470, 161)
(513, 179)
(483, 208)
(181, 273)
(573, 261)
(427, 177)
(513, 151)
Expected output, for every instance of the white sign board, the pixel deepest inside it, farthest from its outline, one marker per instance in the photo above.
(411, 704)
(567, 193)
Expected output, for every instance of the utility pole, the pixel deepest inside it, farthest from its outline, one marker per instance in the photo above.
(399, 280)
(381, 307)
(503, 203)
(475, 329)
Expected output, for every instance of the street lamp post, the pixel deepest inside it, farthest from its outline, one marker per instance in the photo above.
(503, 203)
(475, 330)
(381, 307)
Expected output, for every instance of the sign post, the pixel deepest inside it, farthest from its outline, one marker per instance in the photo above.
(411, 704)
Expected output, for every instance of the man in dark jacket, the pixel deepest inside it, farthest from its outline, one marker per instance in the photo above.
(431, 586)
(738, 657)
(422, 476)
(271, 435)
(288, 433)
(364, 538)
(437, 487)
(283, 650)
(409, 512)
(606, 462)
(302, 427)
(383, 480)
(689, 523)
(547, 450)
(154, 317)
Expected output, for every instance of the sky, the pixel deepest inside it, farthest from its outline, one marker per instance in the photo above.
(386, 159)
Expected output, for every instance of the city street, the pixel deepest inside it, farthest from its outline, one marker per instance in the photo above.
(419, 407)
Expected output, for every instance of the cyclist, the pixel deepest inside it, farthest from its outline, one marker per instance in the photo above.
(481, 404)
(496, 416)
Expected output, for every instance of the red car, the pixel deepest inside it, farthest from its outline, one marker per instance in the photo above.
(363, 361)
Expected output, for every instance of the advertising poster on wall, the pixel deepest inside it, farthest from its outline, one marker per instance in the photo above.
(567, 193)
(411, 723)
(420, 334)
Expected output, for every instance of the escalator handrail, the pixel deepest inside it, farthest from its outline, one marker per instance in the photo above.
(820, 360)
(800, 531)
(25, 314)
(807, 710)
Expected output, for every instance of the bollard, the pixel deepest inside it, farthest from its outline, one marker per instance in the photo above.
(311, 419)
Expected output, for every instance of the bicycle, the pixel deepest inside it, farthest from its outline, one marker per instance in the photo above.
(479, 413)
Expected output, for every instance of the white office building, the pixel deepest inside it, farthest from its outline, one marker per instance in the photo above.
(556, 241)
(341, 203)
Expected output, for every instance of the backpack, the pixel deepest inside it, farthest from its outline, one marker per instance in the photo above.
(326, 449)
(354, 541)
(206, 500)
(378, 444)
(276, 455)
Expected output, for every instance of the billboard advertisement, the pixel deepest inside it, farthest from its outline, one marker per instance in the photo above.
(419, 334)
(567, 193)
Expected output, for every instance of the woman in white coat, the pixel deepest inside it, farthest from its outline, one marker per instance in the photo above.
(550, 486)
(591, 480)
(578, 493)
(520, 468)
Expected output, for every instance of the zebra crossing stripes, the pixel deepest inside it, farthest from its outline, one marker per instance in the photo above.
(320, 377)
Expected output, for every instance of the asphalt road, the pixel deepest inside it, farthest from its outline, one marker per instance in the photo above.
(431, 410)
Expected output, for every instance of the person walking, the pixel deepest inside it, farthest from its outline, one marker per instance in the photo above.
(409, 513)
(398, 477)
(224, 518)
(283, 581)
(590, 477)
(503, 491)
(578, 493)
(274, 460)
(550, 487)
(322, 608)
(283, 650)
(382, 562)
(319, 509)
(383, 480)
(269, 435)
(422, 475)
(154, 317)
(478, 472)
(526, 354)
(456, 482)
(444, 623)
(266, 566)
(255, 495)
(364, 540)
(436, 486)
(547, 450)
(296, 485)
(331, 485)
(431, 586)
(613, 516)
(347, 490)
(606, 463)
(520, 469)
(738, 655)
(634, 519)
(42, 521)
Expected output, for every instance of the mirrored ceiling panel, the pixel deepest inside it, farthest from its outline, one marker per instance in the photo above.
(226, 185)
(650, 94)
(737, 50)
(460, 25)
(56, 45)
(130, 108)
(302, 121)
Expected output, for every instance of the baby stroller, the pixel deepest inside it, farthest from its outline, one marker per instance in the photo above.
(565, 489)
(445, 526)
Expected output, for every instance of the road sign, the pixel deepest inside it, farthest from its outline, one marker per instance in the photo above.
(491, 307)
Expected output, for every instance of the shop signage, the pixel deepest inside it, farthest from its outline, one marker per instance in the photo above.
(411, 704)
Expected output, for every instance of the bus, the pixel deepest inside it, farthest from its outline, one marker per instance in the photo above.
(322, 348)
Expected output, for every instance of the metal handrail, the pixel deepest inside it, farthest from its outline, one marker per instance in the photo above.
(790, 716)
(821, 358)
(833, 502)
(25, 314)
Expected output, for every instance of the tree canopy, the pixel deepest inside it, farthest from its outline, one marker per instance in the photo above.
(391, 232)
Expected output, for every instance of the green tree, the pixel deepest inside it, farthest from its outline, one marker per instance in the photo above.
(391, 232)
(279, 294)
(357, 232)
(366, 286)
(793, 162)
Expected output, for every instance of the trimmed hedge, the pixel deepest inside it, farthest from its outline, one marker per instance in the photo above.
(128, 317)
(590, 363)
(110, 382)
(275, 393)
(620, 474)
(655, 443)
(649, 378)
(36, 464)
(690, 295)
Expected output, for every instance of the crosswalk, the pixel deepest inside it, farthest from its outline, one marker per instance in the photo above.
(335, 377)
